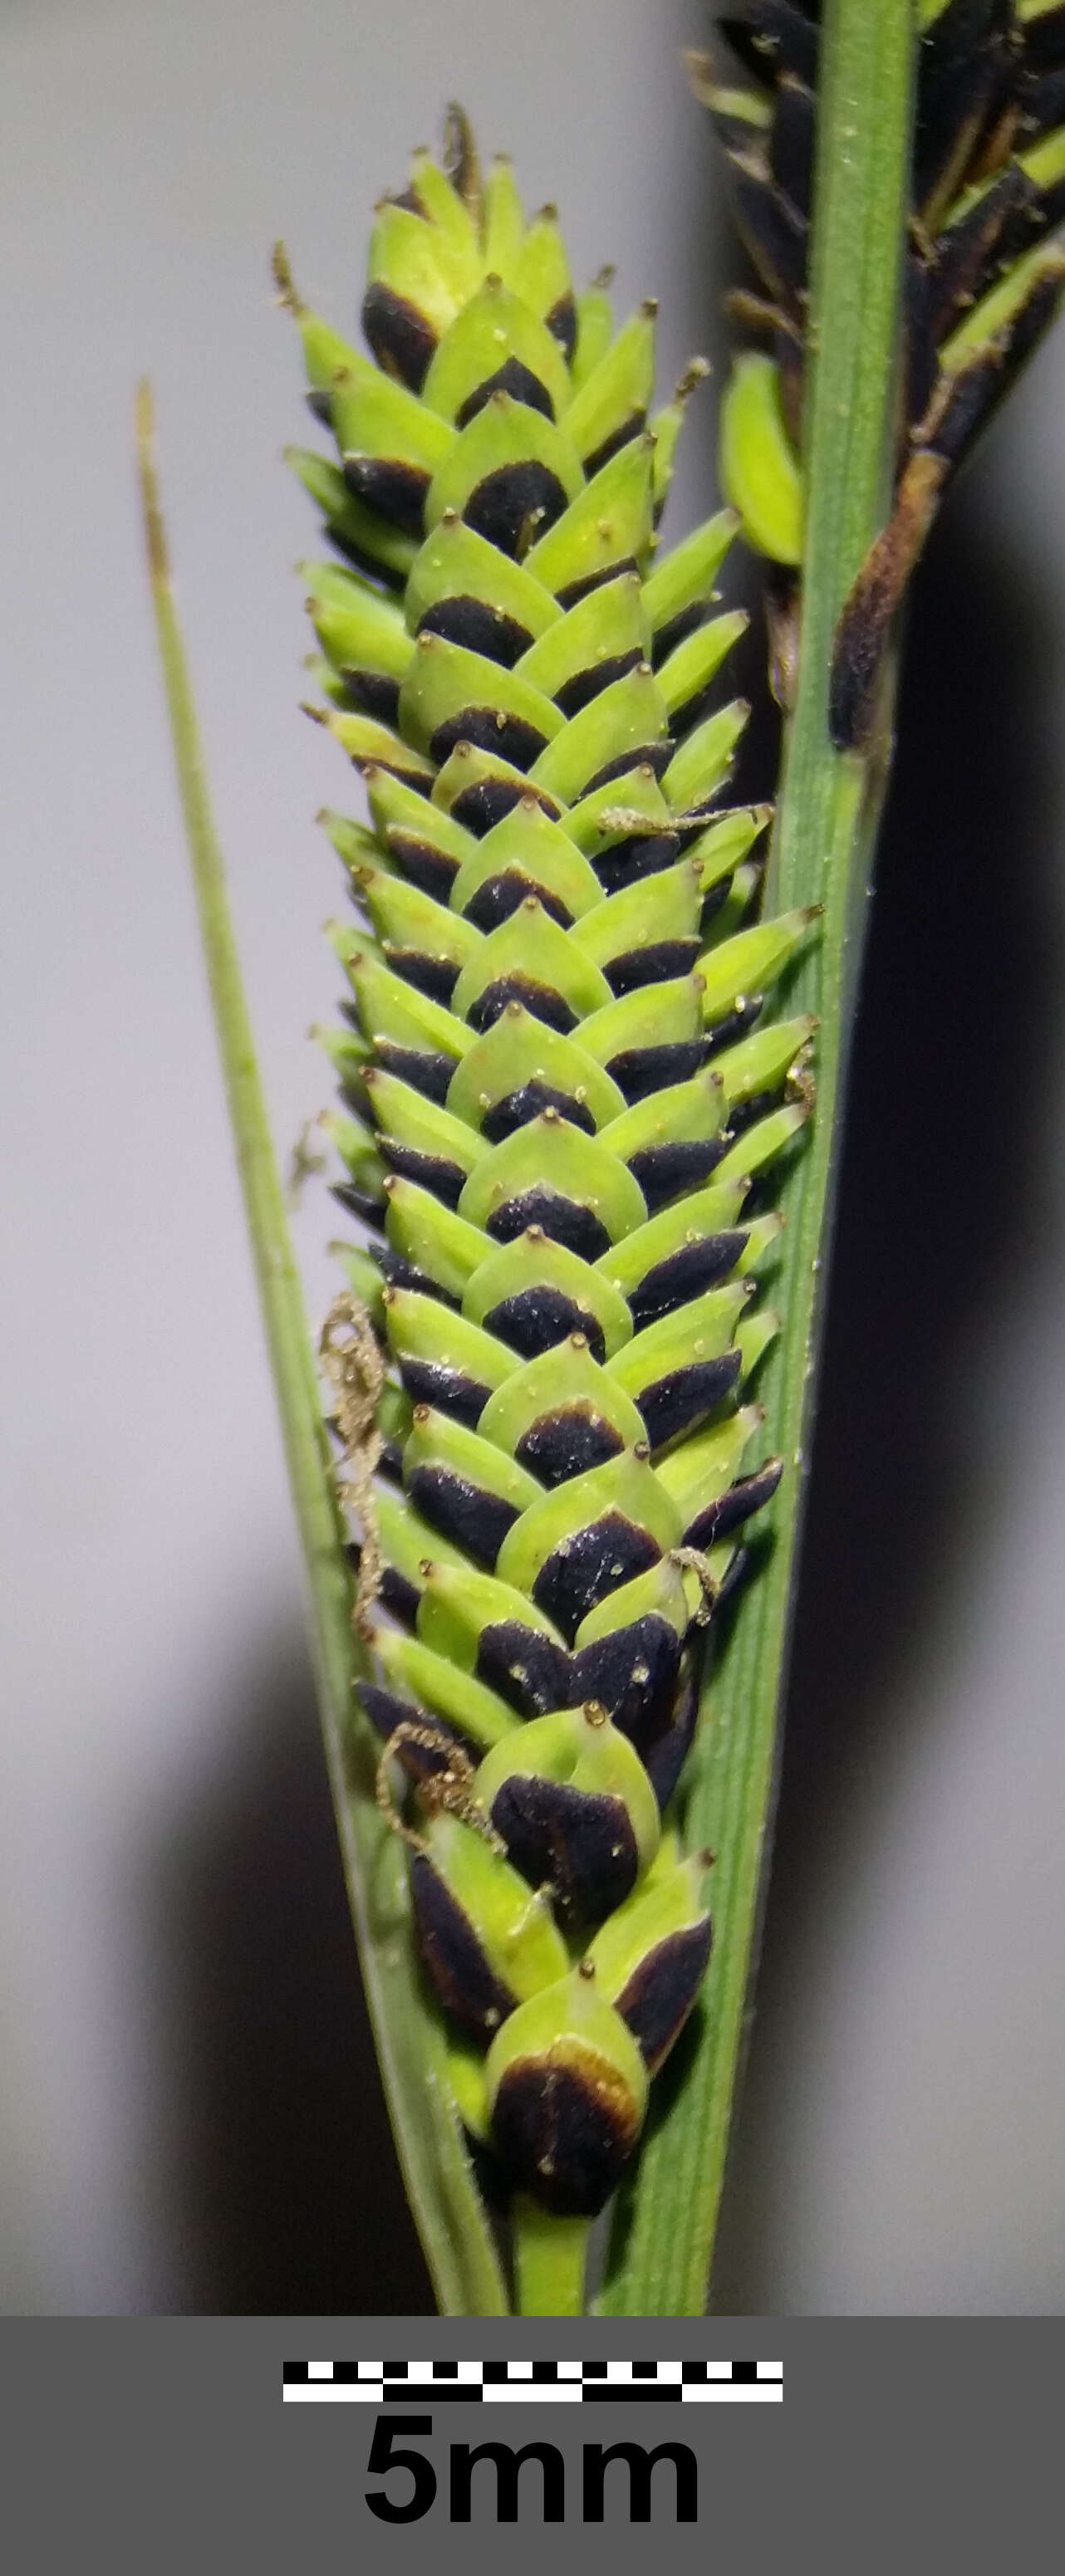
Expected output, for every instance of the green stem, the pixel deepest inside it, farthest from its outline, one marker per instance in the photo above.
(822, 853)
(549, 2261)
(410, 2044)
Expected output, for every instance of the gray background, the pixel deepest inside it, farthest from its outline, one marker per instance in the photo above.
(173, 2428)
(174, 2438)
(188, 2117)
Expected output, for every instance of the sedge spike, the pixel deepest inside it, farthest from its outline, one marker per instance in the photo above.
(569, 1095)
(983, 277)
(563, 1097)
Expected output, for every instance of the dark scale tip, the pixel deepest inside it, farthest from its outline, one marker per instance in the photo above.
(727, 1032)
(516, 1108)
(973, 393)
(746, 1113)
(400, 337)
(405, 1274)
(737, 1567)
(659, 963)
(526, 1668)
(429, 1074)
(371, 693)
(452, 1955)
(511, 378)
(512, 738)
(448, 1389)
(486, 802)
(997, 228)
(664, 1761)
(772, 37)
(655, 756)
(577, 1841)
(791, 145)
(678, 628)
(563, 2138)
(567, 1443)
(386, 1711)
(398, 764)
(730, 1509)
(633, 1672)
(431, 1172)
(434, 976)
(579, 691)
(433, 871)
(479, 628)
(390, 486)
(1044, 40)
(367, 1205)
(501, 896)
(539, 1000)
(588, 1565)
(659, 1997)
(477, 1519)
(564, 1220)
(536, 1318)
(506, 502)
(679, 1402)
(663, 1171)
(687, 1273)
(631, 428)
(644, 855)
(397, 1595)
(562, 324)
(572, 591)
(641, 1070)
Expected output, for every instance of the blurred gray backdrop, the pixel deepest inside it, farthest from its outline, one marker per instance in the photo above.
(189, 2117)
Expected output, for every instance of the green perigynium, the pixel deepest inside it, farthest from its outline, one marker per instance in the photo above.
(562, 1101)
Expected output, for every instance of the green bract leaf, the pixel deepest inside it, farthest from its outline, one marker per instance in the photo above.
(411, 2043)
(664, 2230)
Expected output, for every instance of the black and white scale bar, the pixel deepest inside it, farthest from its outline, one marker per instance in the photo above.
(536, 2383)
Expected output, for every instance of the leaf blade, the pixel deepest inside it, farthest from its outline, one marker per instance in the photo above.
(664, 2233)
